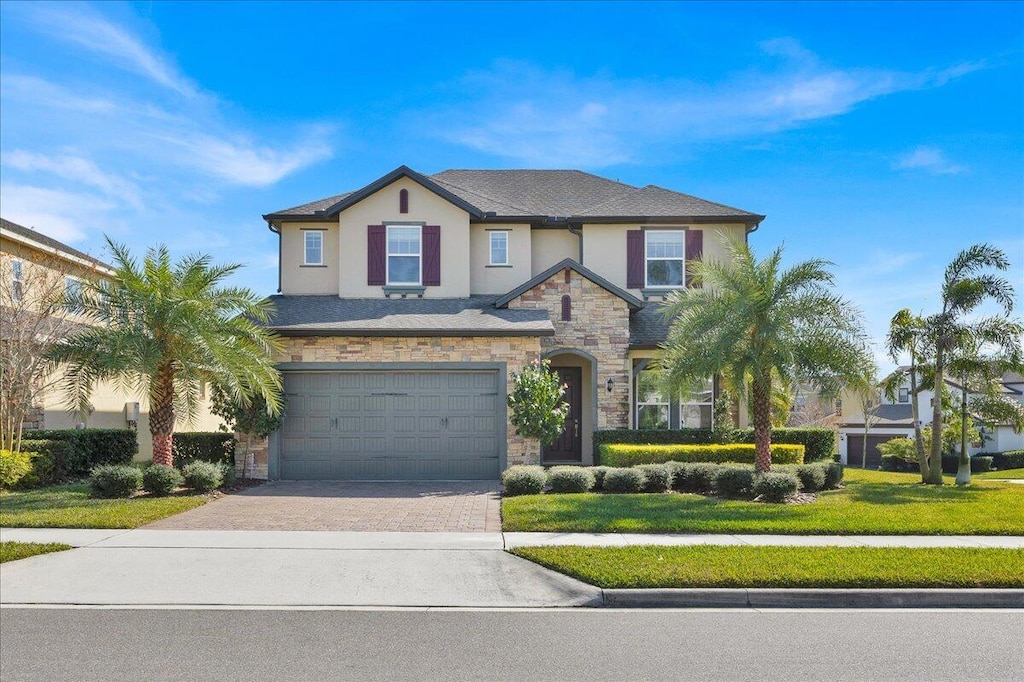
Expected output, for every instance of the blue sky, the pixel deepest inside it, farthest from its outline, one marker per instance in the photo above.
(882, 136)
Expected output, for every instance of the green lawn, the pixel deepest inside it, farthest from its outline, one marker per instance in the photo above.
(69, 506)
(12, 551)
(746, 566)
(872, 503)
(1006, 473)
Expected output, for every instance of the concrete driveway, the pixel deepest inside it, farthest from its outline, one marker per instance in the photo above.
(439, 506)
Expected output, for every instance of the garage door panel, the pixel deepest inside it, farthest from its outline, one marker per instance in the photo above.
(375, 403)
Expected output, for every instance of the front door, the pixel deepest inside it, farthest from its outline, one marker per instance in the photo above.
(569, 446)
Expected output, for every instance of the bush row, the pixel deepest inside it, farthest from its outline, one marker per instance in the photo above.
(73, 453)
(119, 480)
(819, 444)
(950, 464)
(1011, 459)
(618, 454)
(705, 478)
(217, 447)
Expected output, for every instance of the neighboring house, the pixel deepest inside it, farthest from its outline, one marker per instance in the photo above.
(405, 305)
(34, 265)
(890, 419)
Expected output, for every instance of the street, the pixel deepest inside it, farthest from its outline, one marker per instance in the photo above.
(178, 644)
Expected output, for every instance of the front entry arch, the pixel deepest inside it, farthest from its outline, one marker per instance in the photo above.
(578, 370)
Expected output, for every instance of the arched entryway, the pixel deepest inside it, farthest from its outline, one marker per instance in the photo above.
(578, 370)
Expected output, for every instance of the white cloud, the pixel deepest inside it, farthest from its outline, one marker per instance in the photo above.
(55, 213)
(77, 169)
(930, 159)
(545, 118)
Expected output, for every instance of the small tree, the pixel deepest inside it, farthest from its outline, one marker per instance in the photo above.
(253, 419)
(866, 389)
(907, 335)
(538, 410)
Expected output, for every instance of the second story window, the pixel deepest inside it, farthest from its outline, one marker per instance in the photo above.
(314, 247)
(17, 280)
(73, 292)
(666, 257)
(404, 254)
(904, 395)
(499, 247)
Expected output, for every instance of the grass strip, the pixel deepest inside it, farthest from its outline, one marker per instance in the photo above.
(872, 503)
(69, 506)
(12, 551)
(1005, 473)
(746, 566)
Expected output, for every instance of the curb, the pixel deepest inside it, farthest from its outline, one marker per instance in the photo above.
(814, 598)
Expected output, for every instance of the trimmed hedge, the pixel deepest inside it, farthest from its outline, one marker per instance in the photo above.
(694, 477)
(203, 476)
(627, 480)
(1011, 459)
(818, 443)
(524, 479)
(812, 476)
(657, 477)
(775, 486)
(14, 466)
(160, 480)
(599, 472)
(86, 449)
(628, 455)
(979, 464)
(114, 480)
(734, 481)
(45, 469)
(203, 446)
(570, 479)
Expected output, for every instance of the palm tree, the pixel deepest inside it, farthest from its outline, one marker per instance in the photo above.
(760, 326)
(966, 286)
(907, 335)
(162, 330)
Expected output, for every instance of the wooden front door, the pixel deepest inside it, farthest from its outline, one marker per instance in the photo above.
(569, 446)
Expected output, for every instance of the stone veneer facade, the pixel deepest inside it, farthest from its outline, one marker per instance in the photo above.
(599, 326)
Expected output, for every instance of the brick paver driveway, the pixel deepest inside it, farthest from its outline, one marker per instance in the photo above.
(460, 506)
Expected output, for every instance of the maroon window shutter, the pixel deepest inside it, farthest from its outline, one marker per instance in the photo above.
(566, 308)
(694, 251)
(431, 255)
(635, 278)
(376, 255)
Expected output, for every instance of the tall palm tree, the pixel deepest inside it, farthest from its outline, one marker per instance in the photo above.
(162, 330)
(965, 286)
(907, 335)
(759, 324)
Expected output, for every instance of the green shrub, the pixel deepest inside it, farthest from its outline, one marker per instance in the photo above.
(114, 480)
(812, 476)
(657, 477)
(42, 472)
(86, 449)
(521, 479)
(160, 480)
(695, 477)
(599, 472)
(979, 463)
(227, 474)
(570, 479)
(616, 454)
(819, 443)
(1011, 459)
(734, 481)
(891, 463)
(775, 486)
(203, 476)
(203, 446)
(833, 475)
(14, 466)
(625, 480)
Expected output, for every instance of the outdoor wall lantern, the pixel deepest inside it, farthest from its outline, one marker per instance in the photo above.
(610, 384)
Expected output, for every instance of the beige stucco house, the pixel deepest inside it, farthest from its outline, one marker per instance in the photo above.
(35, 268)
(405, 306)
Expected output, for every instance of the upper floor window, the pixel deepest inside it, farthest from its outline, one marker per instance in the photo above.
(405, 260)
(73, 292)
(696, 409)
(904, 395)
(499, 247)
(666, 257)
(314, 247)
(651, 403)
(17, 280)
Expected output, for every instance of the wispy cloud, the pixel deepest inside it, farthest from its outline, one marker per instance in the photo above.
(930, 159)
(559, 117)
(57, 213)
(77, 169)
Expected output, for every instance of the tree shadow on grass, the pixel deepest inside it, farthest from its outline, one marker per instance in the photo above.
(912, 493)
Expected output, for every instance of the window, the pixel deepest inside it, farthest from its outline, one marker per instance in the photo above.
(314, 242)
(499, 247)
(904, 395)
(404, 255)
(696, 409)
(651, 405)
(73, 291)
(17, 280)
(403, 201)
(666, 257)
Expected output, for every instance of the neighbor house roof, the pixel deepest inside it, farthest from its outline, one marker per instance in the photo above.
(537, 194)
(21, 233)
(474, 316)
(570, 264)
(888, 416)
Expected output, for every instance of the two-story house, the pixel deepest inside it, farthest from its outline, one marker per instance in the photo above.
(36, 270)
(405, 305)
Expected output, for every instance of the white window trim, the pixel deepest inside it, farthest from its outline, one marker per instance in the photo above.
(17, 280)
(388, 254)
(305, 246)
(903, 396)
(683, 403)
(647, 259)
(490, 255)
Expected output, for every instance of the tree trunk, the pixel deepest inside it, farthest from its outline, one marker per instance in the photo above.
(762, 390)
(963, 470)
(935, 455)
(161, 415)
(864, 445)
(915, 413)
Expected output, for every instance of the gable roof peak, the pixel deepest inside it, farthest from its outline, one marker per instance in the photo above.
(570, 264)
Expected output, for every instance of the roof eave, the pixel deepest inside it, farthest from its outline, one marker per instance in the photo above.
(745, 219)
(286, 331)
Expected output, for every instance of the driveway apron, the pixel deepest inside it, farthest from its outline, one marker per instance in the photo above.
(438, 506)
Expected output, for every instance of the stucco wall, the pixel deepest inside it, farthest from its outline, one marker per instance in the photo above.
(552, 246)
(297, 278)
(488, 279)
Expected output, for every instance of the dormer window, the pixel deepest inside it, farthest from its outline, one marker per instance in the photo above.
(666, 257)
(404, 255)
(314, 247)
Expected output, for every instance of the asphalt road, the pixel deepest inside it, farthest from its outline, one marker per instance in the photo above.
(160, 644)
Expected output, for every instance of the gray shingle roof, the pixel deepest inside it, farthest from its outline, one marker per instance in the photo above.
(473, 316)
(569, 263)
(889, 415)
(554, 194)
(648, 327)
(29, 233)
